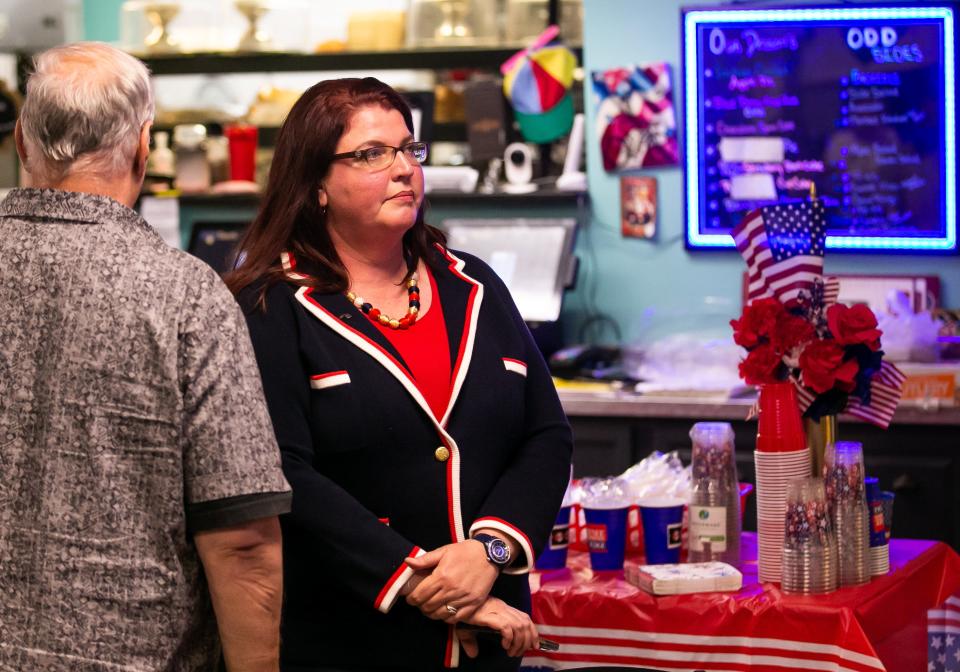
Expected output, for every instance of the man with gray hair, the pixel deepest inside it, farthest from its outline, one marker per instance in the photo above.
(140, 481)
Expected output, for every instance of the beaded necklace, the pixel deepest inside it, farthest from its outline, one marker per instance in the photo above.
(413, 292)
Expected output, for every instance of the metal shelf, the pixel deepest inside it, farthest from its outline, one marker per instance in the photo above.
(432, 59)
(267, 135)
(542, 197)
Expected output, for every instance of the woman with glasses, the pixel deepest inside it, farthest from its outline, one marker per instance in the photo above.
(419, 427)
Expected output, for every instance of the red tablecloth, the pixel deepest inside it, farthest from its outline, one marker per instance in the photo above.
(600, 619)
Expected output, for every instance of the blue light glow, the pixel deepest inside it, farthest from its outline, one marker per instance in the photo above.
(693, 19)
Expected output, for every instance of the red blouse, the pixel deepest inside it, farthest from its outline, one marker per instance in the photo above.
(426, 350)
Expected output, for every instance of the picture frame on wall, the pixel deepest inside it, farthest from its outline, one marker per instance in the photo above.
(638, 206)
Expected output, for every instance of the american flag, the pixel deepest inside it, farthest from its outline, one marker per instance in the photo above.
(943, 637)
(783, 246)
(831, 290)
(886, 388)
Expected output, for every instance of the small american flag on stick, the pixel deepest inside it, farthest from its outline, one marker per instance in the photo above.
(783, 246)
(886, 388)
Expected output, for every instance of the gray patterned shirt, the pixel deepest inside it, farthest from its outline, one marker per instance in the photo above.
(131, 414)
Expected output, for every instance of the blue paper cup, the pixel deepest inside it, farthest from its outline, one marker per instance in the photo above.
(886, 497)
(606, 537)
(878, 535)
(554, 554)
(662, 528)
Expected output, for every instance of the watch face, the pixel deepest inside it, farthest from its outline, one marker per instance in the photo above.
(499, 551)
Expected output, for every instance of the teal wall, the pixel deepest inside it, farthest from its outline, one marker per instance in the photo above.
(101, 20)
(633, 280)
(645, 287)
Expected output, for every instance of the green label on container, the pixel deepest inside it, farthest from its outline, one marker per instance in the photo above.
(708, 529)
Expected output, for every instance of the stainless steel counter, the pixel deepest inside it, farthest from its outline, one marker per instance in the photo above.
(621, 404)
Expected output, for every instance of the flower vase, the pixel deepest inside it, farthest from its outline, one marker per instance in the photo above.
(820, 433)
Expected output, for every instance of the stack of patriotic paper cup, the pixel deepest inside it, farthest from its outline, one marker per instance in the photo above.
(781, 457)
(879, 550)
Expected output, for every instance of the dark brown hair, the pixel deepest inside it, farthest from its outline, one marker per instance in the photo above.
(290, 217)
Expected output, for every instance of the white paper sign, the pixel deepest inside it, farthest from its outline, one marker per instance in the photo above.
(752, 150)
(753, 187)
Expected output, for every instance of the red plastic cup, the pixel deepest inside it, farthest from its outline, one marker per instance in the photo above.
(242, 141)
(779, 427)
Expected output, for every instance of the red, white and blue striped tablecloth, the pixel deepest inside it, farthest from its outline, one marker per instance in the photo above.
(601, 620)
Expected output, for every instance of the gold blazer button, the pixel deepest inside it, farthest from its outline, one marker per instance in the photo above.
(441, 454)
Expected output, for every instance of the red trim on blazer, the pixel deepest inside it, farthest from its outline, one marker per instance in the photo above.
(478, 523)
(321, 376)
(515, 366)
(322, 381)
(288, 262)
(451, 642)
(466, 338)
(386, 354)
(394, 578)
(522, 539)
(451, 514)
(451, 517)
(466, 325)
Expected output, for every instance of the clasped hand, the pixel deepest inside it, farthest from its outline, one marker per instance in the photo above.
(461, 576)
(456, 574)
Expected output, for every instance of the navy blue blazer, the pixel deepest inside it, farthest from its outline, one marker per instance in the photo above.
(359, 446)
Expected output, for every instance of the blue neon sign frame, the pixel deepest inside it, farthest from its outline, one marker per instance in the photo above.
(693, 18)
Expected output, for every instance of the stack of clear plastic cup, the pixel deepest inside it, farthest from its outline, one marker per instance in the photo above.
(714, 528)
(843, 479)
(809, 545)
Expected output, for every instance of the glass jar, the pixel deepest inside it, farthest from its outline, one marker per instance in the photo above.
(526, 19)
(193, 171)
(453, 23)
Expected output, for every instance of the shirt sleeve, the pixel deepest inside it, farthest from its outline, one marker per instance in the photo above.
(232, 471)
(346, 540)
(524, 513)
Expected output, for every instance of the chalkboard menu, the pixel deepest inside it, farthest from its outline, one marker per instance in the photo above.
(855, 101)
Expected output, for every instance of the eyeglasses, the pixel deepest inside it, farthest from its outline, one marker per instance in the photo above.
(384, 155)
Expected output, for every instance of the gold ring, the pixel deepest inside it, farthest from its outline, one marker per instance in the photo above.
(452, 609)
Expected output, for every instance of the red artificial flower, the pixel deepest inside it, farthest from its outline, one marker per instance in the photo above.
(791, 331)
(822, 367)
(853, 326)
(760, 366)
(757, 324)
